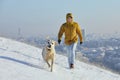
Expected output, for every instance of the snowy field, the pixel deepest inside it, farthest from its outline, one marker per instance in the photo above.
(19, 61)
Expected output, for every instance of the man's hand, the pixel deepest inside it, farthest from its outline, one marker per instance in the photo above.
(81, 43)
(59, 41)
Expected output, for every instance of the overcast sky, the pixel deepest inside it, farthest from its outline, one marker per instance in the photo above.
(39, 17)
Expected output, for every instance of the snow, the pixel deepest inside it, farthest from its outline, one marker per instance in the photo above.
(19, 61)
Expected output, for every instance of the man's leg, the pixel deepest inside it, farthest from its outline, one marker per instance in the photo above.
(71, 54)
(73, 48)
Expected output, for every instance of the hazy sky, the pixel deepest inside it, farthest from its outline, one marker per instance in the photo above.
(38, 17)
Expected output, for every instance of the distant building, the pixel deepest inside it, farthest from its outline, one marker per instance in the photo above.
(83, 34)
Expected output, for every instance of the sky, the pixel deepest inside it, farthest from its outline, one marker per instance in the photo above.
(44, 17)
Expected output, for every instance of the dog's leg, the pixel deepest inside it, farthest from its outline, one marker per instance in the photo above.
(48, 64)
(46, 59)
(52, 65)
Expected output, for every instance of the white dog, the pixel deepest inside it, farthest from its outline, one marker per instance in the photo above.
(48, 53)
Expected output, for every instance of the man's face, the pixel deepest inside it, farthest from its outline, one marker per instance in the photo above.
(69, 19)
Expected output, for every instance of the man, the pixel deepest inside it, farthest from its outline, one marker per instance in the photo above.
(71, 30)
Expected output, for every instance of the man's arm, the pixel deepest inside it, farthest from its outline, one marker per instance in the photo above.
(79, 32)
(61, 31)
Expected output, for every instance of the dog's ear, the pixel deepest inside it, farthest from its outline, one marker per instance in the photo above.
(47, 38)
(55, 43)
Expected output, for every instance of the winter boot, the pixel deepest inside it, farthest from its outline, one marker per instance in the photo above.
(71, 66)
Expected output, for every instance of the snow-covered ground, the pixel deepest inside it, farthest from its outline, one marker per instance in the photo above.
(19, 61)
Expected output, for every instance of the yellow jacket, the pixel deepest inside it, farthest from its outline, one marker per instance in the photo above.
(71, 31)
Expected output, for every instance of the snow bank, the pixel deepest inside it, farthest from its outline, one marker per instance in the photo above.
(19, 61)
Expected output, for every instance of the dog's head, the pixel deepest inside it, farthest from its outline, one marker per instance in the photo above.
(51, 44)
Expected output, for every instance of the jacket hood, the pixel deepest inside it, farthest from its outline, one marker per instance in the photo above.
(69, 15)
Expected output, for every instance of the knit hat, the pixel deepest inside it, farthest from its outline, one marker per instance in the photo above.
(69, 15)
